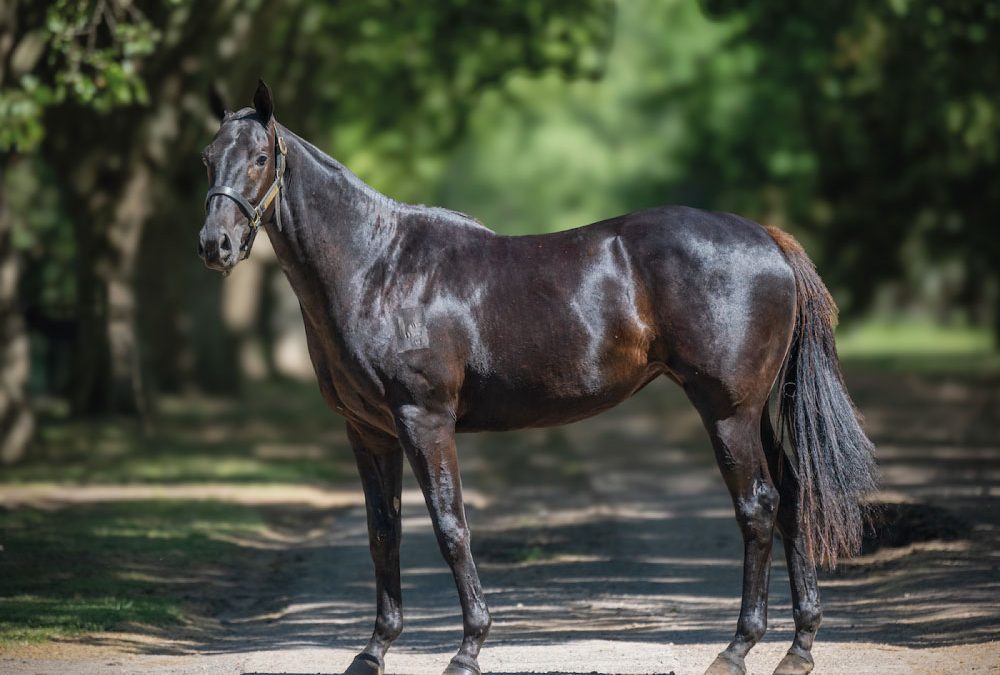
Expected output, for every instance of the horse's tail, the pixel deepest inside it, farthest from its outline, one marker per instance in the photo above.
(832, 462)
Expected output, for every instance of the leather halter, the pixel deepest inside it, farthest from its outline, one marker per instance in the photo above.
(256, 213)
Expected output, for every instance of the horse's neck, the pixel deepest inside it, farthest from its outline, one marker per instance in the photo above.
(335, 227)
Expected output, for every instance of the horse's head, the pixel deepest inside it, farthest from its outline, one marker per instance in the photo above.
(245, 163)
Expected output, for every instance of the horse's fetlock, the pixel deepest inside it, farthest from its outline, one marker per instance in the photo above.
(389, 626)
(753, 628)
(479, 626)
(808, 617)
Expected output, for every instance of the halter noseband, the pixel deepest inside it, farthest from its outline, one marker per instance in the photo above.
(253, 213)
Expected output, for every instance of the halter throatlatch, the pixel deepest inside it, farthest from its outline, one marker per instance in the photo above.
(253, 213)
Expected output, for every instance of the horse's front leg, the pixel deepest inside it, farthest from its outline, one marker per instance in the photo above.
(429, 441)
(380, 463)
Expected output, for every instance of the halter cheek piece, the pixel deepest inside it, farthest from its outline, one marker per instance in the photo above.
(253, 213)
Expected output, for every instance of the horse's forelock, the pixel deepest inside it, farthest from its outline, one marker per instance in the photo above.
(241, 114)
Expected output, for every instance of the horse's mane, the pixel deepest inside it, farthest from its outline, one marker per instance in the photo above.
(438, 213)
(450, 216)
(241, 114)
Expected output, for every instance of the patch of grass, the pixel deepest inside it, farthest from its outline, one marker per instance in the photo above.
(26, 619)
(534, 554)
(279, 433)
(96, 567)
(918, 347)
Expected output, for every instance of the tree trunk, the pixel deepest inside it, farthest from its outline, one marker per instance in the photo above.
(107, 376)
(110, 191)
(17, 422)
(996, 313)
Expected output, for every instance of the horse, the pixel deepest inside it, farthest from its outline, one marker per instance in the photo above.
(421, 323)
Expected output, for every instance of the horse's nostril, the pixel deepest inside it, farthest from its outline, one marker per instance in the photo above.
(201, 249)
(225, 246)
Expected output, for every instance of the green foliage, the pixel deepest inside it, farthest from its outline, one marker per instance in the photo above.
(897, 105)
(387, 87)
(102, 75)
(546, 154)
(20, 123)
(88, 52)
(43, 235)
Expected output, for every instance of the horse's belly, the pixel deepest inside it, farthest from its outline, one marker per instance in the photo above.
(500, 404)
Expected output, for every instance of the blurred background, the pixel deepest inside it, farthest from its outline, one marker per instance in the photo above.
(870, 130)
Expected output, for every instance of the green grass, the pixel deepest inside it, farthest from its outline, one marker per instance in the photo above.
(278, 433)
(918, 347)
(99, 567)
(96, 567)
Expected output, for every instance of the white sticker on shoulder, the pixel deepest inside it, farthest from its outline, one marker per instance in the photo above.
(411, 329)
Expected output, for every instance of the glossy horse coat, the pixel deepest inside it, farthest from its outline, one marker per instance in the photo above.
(422, 323)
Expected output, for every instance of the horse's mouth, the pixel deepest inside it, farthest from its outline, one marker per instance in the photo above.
(225, 266)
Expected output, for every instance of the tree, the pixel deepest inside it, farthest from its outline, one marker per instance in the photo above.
(49, 55)
(888, 145)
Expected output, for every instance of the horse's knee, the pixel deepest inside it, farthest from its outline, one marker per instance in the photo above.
(453, 538)
(757, 510)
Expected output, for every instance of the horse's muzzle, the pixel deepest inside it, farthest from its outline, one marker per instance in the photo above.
(217, 250)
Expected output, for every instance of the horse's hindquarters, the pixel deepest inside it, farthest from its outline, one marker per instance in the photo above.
(724, 302)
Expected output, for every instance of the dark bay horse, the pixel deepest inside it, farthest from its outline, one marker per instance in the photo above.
(422, 323)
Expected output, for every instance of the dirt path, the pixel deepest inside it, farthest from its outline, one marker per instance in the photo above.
(610, 547)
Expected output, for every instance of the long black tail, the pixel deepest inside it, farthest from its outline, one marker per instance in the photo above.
(833, 462)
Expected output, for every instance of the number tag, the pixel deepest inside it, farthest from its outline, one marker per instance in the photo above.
(411, 329)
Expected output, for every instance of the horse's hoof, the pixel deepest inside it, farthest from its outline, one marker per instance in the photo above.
(463, 665)
(726, 664)
(796, 662)
(365, 664)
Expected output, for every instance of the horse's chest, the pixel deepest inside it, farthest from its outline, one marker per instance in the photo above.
(351, 395)
(348, 385)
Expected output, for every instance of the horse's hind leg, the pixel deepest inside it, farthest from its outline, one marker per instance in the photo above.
(429, 441)
(735, 433)
(801, 567)
(380, 463)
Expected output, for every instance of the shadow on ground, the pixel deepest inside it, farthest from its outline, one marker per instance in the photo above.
(619, 528)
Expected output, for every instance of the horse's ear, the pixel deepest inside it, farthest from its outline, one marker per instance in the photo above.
(262, 102)
(216, 101)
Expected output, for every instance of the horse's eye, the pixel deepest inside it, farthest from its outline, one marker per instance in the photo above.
(261, 160)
